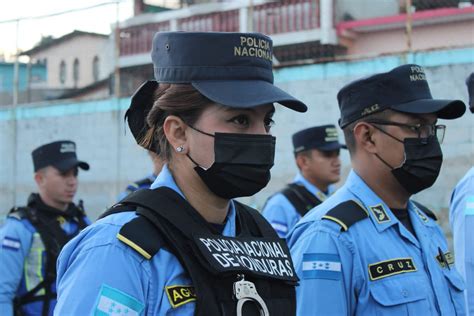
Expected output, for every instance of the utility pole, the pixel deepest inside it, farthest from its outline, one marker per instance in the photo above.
(408, 29)
(14, 110)
(250, 17)
(117, 53)
(16, 67)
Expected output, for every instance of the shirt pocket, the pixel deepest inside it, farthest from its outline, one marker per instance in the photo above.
(456, 289)
(400, 296)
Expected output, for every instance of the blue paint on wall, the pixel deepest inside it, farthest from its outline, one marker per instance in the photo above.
(64, 109)
(38, 74)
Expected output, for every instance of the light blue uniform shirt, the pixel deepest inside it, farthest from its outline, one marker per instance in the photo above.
(22, 262)
(100, 275)
(281, 214)
(461, 217)
(405, 279)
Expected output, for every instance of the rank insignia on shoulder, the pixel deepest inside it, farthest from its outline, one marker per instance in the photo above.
(180, 294)
(383, 269)
(379, 213)
(421, 215)
(445, 259)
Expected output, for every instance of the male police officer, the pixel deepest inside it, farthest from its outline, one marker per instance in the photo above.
(146, 182)
(461, 217)
(317, 157)
(368, 249)
(33, 235)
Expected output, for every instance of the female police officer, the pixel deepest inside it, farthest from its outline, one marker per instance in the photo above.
(188, 248)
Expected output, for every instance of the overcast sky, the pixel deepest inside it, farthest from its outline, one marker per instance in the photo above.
(97, 20)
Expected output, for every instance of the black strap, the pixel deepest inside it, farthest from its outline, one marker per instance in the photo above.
(346, 214)
(426, 210)
(301, 199)
(148, 199)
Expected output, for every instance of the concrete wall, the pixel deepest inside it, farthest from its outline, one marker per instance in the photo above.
(115, 159)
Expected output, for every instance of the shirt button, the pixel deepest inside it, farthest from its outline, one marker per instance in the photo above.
(404, 293)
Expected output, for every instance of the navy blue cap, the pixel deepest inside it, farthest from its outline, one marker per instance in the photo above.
(324, 138)
(231, 69)
(60, 154)
(470, 91)
(402, 89)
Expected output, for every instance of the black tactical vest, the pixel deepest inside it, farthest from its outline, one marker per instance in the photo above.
(44, 220)
(214, 262)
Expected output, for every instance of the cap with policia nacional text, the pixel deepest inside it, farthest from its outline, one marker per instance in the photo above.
(231, 69)
(403, 89)
(324, 138)
(470, 90)
(60, 154)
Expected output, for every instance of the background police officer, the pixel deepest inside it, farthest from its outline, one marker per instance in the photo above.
(316, 152)
(32, 236)
(186, 247)
(461, 217)
(146, 182)
(369, 249)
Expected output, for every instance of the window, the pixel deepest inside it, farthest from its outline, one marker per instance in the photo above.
(95, 69)
(75, 72)
(62, 72)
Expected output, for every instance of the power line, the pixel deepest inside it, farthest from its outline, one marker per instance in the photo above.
(39, 17)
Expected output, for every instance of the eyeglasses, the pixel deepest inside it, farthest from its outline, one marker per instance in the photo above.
(422, 130)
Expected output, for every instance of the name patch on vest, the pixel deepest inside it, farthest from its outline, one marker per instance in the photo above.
(262, 256)
(391, 267)
(180, 294)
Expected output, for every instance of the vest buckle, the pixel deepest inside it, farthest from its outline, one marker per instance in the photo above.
(245, 291)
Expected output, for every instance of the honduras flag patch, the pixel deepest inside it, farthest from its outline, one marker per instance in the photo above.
(321, 266)
(470, 205)
(112, 302)
(11, 243)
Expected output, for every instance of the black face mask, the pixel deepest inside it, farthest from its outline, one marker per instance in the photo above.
(241, 165)
(423, 160)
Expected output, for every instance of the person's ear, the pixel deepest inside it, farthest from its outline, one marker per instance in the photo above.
(364, 135)
(40, 177)
(302, 160)
(175, 132)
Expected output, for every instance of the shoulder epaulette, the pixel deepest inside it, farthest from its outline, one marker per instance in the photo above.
(18, 212)
(426, 210)
(142, 236)
(346, 214)
(145, 181)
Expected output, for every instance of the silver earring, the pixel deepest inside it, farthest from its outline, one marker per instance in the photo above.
(179, 149)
